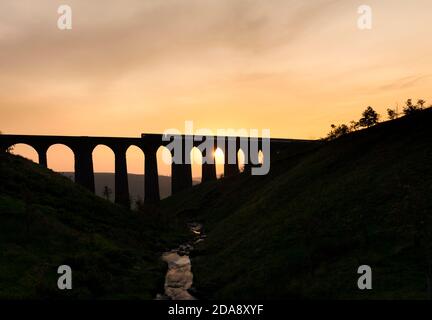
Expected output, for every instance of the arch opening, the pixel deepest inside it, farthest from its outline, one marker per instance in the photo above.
(260, 157)
(26, 151)
(135, 158)
(104, 168)
(196, 164)
(164, 160)
(241, 160)
(61, 159)
(219, 157)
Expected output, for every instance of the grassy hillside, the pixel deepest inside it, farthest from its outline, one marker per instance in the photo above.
(303, 230)
(46, 221)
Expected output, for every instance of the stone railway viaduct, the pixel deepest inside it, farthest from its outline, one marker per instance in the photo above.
(181, 174)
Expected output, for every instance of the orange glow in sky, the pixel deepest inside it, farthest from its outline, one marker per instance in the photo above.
(140, 66)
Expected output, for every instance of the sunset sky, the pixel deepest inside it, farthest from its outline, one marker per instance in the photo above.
(135, 66)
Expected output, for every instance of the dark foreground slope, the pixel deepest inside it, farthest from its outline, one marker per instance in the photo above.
(303, 230)
(46, 221)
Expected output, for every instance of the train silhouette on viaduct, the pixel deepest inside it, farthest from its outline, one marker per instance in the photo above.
(181, 173)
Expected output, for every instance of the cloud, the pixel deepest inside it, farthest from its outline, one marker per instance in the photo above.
(404, 82)
(160, 32)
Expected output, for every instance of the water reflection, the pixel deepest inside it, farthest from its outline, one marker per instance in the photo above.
(179, 277)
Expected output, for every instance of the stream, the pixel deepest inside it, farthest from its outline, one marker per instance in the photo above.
(179, 277)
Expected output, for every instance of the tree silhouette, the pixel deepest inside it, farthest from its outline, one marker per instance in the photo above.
(353, 125)
(392, 114)
(139, 204)
(411, 108)
(421, 102)
(338, 131)
(107, 192)
(369, 118)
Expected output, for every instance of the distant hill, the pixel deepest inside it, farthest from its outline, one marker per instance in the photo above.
(303, 230)
(47, 221)
(136, 184)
